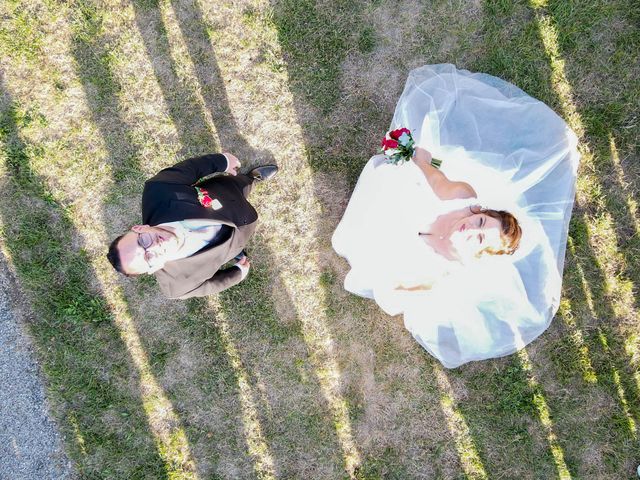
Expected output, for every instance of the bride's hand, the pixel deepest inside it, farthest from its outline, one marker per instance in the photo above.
(422, 156)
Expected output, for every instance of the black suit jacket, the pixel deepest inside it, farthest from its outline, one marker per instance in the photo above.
(171, 196)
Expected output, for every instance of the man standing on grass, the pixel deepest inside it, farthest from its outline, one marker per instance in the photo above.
(197, 218)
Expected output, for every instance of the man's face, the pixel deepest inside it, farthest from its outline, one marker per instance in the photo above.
(146, 249)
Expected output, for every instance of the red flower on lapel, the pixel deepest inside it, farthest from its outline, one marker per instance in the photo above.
(204, 198)
(206, 201)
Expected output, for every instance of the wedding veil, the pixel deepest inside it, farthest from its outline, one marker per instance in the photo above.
(519, 156)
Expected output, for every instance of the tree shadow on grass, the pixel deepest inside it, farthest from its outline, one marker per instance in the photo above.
(273, 357)
(517, 53)
(165, 343)
(273, 348)
(316, 39)
(607, 105)
(195, 134)
(617, 424)
(295, 420)
(198, 39)
(379, 367)
(85, 359)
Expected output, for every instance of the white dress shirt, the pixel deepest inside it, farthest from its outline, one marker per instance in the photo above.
(196, 234)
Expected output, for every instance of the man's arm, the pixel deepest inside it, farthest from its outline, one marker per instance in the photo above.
(222, 280)
(191, 170)
(444, 188)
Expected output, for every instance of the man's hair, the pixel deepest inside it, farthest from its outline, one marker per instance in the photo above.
(511, 233)
(114, 257)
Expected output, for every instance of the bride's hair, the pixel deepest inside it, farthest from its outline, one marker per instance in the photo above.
(511, 232)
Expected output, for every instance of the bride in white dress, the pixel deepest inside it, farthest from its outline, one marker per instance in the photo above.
(471, 254)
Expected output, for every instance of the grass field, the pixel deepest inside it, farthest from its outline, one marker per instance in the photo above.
(288, 376)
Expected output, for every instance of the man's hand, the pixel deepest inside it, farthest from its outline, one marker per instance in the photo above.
(422, 156)
(243, 264)
(234, 164)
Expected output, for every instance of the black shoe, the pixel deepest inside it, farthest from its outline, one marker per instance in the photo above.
(264, 172)
(239, 256)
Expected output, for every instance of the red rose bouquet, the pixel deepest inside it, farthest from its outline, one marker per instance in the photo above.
(398, 147)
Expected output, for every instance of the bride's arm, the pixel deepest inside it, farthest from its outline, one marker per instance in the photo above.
(444, 188)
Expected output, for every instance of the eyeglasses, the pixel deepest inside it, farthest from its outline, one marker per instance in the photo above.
(145, 241)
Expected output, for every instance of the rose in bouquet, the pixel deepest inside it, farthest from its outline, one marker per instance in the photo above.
(398, 146)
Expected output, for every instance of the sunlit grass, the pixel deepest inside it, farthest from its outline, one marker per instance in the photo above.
(622, 395)
(548, 34)
(257, 445)
(631, 349)
(564, 91)
(602, 337)
(77, 434)
(164, 423)
(300, 273)
(544, 416)
(186, 70)
(465, 446)
(301, 282)
(623, 182)
(588, 373)
(618, 289)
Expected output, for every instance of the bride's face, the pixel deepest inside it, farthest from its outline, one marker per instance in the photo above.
(470, 235)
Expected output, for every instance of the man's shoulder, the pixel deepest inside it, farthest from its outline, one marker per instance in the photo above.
(158, 187)
(159, 201)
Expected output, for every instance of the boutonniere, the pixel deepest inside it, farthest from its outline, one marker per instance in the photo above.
(206, 201)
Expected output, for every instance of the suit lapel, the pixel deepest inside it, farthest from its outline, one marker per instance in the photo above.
(188, 273)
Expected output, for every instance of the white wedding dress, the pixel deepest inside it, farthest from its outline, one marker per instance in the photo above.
(519, 156)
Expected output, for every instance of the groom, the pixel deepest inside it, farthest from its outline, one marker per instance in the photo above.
(197, 218)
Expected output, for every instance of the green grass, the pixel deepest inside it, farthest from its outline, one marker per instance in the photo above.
(96, 96)
(316, 39)
(81, 351)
